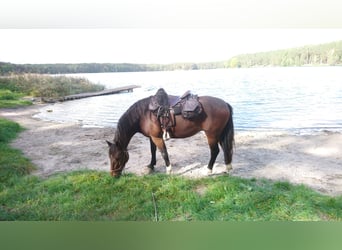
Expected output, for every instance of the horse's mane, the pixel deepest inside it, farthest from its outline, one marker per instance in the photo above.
(128, 123)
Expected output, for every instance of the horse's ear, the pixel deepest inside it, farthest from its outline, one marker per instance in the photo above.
(109, 143)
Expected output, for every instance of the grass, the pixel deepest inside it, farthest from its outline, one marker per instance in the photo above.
(13, 164)
(9, 99)
(91, 195)
(47, 87)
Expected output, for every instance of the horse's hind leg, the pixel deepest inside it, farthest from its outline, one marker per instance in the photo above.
(227, 157)
(227, 141)
(159, 142)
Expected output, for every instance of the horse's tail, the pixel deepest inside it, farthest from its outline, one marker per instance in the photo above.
(227, 137)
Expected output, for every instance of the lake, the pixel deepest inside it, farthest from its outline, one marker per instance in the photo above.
(295, 99)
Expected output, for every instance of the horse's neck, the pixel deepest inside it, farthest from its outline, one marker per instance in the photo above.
(123, 135)
(128, 125)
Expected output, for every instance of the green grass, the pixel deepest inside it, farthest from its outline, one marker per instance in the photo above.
(13, 164)
(91, 195)
(9, 99)
(94, 195)
(8, 130)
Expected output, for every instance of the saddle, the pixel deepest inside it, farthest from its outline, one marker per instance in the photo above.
(166, 107)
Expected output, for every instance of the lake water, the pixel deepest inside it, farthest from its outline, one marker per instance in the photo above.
(301, 100)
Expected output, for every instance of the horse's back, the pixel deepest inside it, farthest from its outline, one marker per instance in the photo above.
(214, 106)
(214, 117)
(216, 111)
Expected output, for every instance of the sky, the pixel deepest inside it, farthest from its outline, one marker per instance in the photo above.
(160, 31)
(149, 45)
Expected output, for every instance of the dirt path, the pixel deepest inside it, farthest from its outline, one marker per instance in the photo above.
(313, 160)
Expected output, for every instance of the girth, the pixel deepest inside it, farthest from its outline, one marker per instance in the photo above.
(167, 121)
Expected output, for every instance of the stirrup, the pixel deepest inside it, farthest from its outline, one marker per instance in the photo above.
(166, 135)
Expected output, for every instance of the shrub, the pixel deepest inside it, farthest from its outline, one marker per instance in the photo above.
(48, 86)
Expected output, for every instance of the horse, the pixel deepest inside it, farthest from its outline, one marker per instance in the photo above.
(216, 120)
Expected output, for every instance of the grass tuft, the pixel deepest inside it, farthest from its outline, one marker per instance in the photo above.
(9, 99)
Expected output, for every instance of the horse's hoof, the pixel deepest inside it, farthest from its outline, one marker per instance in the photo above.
(148, 170)
(169, 170)
(229, 167)
(209, 171)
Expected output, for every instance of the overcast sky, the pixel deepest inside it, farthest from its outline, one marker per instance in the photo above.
(160, 31)
(149, 45)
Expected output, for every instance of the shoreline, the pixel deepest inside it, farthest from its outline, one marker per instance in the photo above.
(314, 160)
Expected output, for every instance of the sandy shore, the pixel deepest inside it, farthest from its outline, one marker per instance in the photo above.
(312, 160)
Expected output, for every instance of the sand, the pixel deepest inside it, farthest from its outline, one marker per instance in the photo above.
(313, 160)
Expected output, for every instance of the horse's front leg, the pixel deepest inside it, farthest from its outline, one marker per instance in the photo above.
(153, 157)
(159, 142)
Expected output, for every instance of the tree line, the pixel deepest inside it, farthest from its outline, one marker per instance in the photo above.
(323, 54)
(8, 68)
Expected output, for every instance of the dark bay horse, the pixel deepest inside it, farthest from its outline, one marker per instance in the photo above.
(216, 120)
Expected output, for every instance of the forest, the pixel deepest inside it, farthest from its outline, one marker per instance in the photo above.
(9, 68)
(329, 54)
(324, 54)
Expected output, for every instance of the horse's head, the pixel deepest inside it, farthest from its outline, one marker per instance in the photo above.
(118, 158)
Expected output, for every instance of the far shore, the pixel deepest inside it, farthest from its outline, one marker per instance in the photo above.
(312, 160)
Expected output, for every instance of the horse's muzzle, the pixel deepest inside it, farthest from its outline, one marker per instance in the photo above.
(115, 174)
